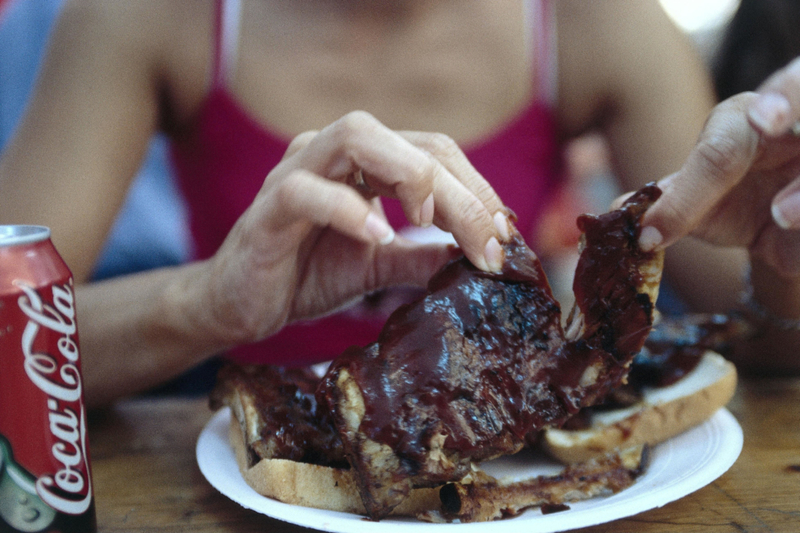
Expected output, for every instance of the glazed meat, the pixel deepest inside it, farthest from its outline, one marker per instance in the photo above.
(676, 345)
(482, 361)
(278, 414)
(673, 349)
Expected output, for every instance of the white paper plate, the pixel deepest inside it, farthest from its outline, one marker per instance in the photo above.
(678, 467)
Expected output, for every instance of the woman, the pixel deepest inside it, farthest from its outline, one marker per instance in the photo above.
(231, 81)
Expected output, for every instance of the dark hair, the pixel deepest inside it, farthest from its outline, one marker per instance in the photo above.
(763, 36)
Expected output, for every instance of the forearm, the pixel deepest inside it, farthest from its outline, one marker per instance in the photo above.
(141, 330)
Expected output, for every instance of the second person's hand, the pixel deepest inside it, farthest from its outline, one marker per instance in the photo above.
(740, 186)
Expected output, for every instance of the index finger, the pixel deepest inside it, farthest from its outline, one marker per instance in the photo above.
(428, 191)
(447, 151)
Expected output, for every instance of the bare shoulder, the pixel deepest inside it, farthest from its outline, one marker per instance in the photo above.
(167, 41)
(116, 24)
(608, 49)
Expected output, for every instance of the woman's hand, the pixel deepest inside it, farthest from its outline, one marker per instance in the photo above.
(315, 236)
(740, 186)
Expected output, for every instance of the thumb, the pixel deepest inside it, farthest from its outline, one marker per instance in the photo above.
(722, 156)
(405, 262)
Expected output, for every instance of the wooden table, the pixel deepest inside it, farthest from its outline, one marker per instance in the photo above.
(146, 477)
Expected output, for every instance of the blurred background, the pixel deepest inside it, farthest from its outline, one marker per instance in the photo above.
(703, 20)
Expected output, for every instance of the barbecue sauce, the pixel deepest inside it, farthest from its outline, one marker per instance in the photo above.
(676, 345)
(483, 359)
(616, 317)
(295, 426)
(426, 364)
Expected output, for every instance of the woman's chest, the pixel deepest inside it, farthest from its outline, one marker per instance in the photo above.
(461, 74)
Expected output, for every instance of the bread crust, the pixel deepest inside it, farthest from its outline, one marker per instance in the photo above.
(662, 414)
(320, 487)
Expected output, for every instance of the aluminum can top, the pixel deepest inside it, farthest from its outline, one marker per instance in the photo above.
(16, 235)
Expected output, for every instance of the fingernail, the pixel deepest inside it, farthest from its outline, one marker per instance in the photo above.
(501, 223)
(650, 238)
(379, 228)
(786, 213)
(426, 212)
(770, 112)
(493, 253)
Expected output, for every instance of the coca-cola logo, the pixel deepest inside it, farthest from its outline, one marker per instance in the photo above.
(59, 378)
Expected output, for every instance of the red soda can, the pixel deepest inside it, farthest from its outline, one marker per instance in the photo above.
(45, 479)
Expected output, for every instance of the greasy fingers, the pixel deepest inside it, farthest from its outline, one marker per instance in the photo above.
(719, 160)
(447, 152)
(358, 141)
(410, 263)
(428, 174)
(303, 195)
(777, 107)
(299, 142)
(465, 213)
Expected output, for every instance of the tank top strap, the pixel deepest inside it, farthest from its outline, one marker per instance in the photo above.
(542, 44)
(227, 14)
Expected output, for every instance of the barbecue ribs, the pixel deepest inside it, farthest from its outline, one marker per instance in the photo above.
(466, 373)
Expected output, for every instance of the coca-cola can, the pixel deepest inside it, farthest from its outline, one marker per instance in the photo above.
(45, 479)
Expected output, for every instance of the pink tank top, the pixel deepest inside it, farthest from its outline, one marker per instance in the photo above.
(223, 160)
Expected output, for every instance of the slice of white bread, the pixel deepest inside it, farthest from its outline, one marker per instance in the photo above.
(321, 487)
(661, 414)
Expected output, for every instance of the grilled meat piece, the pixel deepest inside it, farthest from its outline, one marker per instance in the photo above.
(673, 349)
(676, 345)
(482, 361)
(278, 414)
